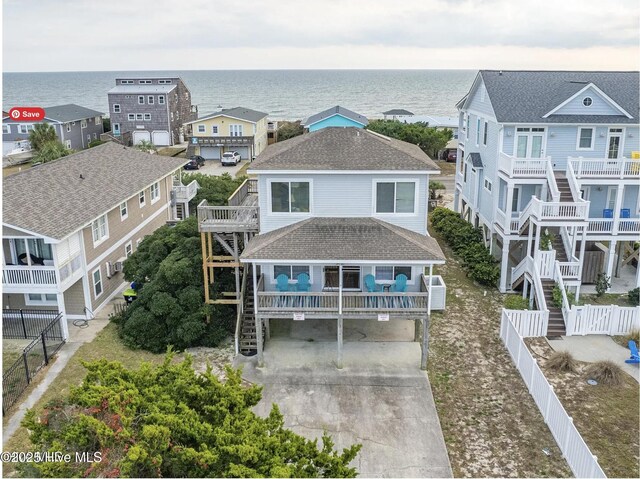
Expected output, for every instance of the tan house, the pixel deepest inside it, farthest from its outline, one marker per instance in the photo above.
(234, 129)
(69, 225)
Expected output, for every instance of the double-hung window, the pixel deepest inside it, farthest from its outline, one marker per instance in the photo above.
(290, 197)
(214, 130)
(585, 139)
(235, 130)
(83, 124)
(390, 273)
(116, 108)
(139, 116)
(395, 197)
(147, 117)
(128, 249)
(161, 99)
(291, 271)
(202, 128)
(131, 116)
(141, 100)
(97, 283)
(477, 131)
(155, 192)
(150, 99)
(484, 139)
(6, 129)
(141, 199)
(100, 229)
(124, 211)
(98, 120)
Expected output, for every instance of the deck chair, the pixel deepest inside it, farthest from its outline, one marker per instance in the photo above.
(635, 356)
(371, 285)
(625, 213)
(400, 286)
(303, 282)
(607, 213)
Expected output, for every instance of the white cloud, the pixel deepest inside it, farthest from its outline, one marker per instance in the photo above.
(203, 34)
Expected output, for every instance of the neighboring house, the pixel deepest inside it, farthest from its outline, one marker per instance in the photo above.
(272, 132)
(69, 224)
(76, 127)
(233, 129)
(346, 207)
(151, 109)
(437, 122)
(397, 114)
(336, 116)
(551, 152)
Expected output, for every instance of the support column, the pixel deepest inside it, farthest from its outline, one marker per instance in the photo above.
(525, 287)
(508, 207)
(340, 319)
(456, 200)
(611, 255)
(210, 249)
(425, 343)
(236, 255)
(63, 319)
(205, 269)
(504, 265)
(530, 238)
(259, 341)
(536, 246)
(618, 207)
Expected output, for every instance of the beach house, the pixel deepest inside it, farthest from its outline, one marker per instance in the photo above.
(68, 226)
(334, 228)
(548, 168)
(336, 116)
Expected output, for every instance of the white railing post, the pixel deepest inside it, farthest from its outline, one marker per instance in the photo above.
(547, 408)
(567, 436)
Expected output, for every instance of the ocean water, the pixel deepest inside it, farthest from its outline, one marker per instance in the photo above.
(284, 94)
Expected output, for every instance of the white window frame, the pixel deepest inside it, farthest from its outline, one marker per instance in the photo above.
(140, 99)
(150, 100)
(6, 129)
(488, 185)
(126, 82)
(101, 238)
(142, 199)
(215, 130)
(128, 249)
(88, 138)
(97, 120)
(290, 213)
(290, 266)
(202, 128)
(147, 117)
(68, 127)
(145, 82)
(116, 128)
(23, 129)
(393, 273)
(593, 138)
(161, 99)
(131, 117)
(590, 101)
(95, 136)
(94, 283)
(468, 125)
(83, 124)
(236, 130)
(67, 143)
(395, 181)
(116, 108)
(139, 116)
(42, 302)
(155, 196)
(485, 133)
(478, 120)
(125, 215)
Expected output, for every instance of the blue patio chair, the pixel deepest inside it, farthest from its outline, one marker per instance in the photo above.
(371, 285)
(635, 356)
(400, 286)
(607, 213)
(282, 283)
(625, 213)
(303, 282)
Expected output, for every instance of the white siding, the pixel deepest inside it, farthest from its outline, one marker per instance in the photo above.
(345, 195)
(599, 105)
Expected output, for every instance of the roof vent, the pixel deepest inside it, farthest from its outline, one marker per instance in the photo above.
(500, 73)
(81, 177)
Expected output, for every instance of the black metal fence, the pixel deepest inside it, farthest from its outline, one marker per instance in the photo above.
(26, 323)
(35, 356)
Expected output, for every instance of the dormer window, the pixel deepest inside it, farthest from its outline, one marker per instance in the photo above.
(587, 101)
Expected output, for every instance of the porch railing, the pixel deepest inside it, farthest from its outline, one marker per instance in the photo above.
(186, 192)
(611, 225)
(249, 186)
(29, 275)
(70, 267)
(602, 167)
(241, 217)
(523, 167)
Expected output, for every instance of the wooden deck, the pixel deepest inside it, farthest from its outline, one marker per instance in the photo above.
(241, 216)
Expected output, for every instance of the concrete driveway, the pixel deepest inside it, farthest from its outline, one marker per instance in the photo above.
(214, 168)
(381, 399)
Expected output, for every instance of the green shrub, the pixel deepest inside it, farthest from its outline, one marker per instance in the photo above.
(603, 283)
(605, 372)
(514, 301)
(557, 296)
(93, 143)
(561, 361)
(546, 240)
(634, 296)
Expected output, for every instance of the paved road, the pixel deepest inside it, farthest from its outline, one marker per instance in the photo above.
(381, 399)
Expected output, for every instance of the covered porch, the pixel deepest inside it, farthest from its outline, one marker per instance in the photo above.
(337, 269)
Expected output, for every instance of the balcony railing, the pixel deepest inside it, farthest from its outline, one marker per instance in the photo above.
(610, 225)
(248, 187)
(29, 275)
(228, 218)
(70, 267)
(604, 168)
(523, 167)
(186, 192)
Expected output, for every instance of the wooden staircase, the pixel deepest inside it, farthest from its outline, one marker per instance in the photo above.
(556, 320)
(248, 341)
(563, 186)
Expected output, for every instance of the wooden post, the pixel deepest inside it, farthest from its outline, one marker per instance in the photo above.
(259, 341)
(236, 255)
(205, 269)
(425, 343)
(340, 327)
(210, 248)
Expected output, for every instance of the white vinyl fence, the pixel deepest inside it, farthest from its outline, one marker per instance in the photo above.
(580, 459)
(609, 319)
(529, 324)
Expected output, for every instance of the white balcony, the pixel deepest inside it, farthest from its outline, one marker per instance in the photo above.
(589, 168)
(523, 167)
(185, 193)
(28, 276)
(614, 226)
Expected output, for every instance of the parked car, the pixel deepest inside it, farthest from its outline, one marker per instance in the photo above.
(452, 156)
(230, 158)
(192, 165)
(198, 158)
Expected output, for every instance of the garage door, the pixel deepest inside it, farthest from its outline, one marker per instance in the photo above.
(243, 151)
(210, 152)
(139, 136)
(161, 138)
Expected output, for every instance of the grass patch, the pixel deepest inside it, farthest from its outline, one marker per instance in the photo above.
(561, 361)
(605, 372)
(607, 298)
(491, 425)
(106, 345)
(446, 168)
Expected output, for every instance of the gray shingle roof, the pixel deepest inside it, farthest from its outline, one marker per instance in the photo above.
(398, 111)
(133, 89)
(336, 110)
(52, 200)
(525, 96)
(347, 149)
(476, 160)
(237, 112)
(70, 112)
(343, 239)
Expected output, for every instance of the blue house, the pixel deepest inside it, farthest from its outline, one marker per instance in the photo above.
(335, 116)
(549, 168)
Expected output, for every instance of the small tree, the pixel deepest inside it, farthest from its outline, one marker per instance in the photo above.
(289, 129)
(169, 421)
(106, 124)
(49, 151)
(603, 283)
(146, 146)
(434, 186)
(42, 134)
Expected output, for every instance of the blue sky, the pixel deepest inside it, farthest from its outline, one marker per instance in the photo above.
(71, 35)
